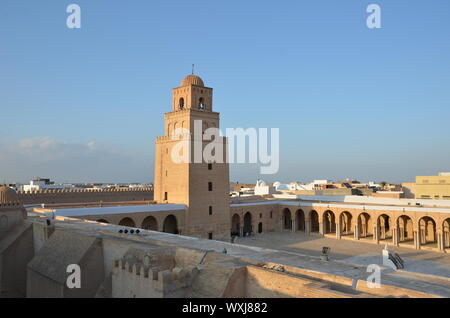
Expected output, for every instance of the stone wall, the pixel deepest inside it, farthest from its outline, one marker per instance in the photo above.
(47, 271)
(11, 215)
(147, 220)
(16, 250)
(339, 283)
(256, 218)
(263, 283)
(84, 196)
(156, 265)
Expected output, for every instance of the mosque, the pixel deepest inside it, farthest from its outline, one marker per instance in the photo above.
(182, 246)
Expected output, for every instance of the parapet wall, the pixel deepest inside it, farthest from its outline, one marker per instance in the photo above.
(84, 196)
(140, 281)
(329, 284)
(11, 206)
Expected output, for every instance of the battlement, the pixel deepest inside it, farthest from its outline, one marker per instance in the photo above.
(46, 191)
(166, 138)
(139, 280)
(181, 112)
(10, 205)
(60, 196)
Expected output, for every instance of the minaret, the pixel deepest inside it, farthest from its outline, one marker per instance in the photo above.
(198, 182)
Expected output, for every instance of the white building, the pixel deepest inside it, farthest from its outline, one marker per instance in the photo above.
(43, 184)
(262, 188)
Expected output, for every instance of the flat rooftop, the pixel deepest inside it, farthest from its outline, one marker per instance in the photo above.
(104, 210)
(275, 252)
(347, 205)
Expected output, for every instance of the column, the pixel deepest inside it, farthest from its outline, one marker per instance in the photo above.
(307, 227)
(376, 234)
(440, 240)
(293, 225)
(321, 228)
(338, 231)
(356, 234)
(445, 238)
(395, 236)
(416, 240)
(422, 237)
(241, 231)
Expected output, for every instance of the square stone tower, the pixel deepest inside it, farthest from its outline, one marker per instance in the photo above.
(182, 174)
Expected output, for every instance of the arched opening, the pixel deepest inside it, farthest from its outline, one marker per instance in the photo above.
(260, 227)
(201, 103)
(181, 103)
(247, 223)
(314, 219)
(170, 224)
(385, 227)
(150, 223)
(175, 133)
(405, 229)
(346, 224)
(287, 220)
(446, 233)
(427, 231)
(300, 220)
(329, 222)
(235, 225)
(127, 222)
(102, 221)
(365, 226)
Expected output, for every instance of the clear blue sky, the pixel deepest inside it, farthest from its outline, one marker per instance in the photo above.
(87, 104)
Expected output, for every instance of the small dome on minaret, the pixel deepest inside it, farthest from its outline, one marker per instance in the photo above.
(8, 195)
(192, 80)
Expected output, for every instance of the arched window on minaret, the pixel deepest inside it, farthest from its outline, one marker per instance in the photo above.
(181, 105)
(201, 104)
(174, 133)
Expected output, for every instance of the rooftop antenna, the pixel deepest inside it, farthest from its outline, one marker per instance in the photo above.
(193, 65)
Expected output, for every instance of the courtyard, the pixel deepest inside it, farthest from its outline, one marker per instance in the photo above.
(349, 251)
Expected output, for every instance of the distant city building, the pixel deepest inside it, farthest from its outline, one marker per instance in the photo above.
(262, 188)
(44, 184)
(433, 187)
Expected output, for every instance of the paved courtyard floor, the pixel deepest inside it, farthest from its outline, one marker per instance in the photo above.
(355, 252)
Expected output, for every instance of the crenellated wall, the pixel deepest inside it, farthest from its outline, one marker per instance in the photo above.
(84, 196)
(10, 205)
(140, 281)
